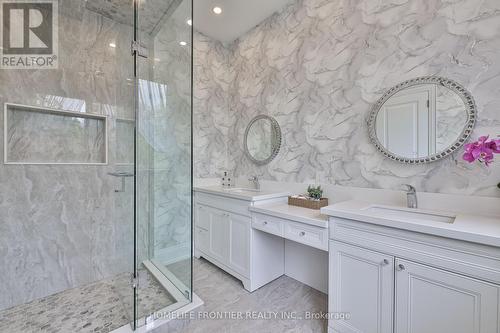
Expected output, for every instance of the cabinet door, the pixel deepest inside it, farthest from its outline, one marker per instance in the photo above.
(202, 240)
(202, 216)
(432, 300)
(219, 235)
(361, 286)
(239, 258)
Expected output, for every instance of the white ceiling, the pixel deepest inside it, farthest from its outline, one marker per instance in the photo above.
(238, 16)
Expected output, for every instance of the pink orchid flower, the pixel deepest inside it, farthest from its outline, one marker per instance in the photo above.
(482, 150)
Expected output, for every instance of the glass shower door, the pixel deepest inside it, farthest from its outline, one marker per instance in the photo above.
(121, 171)
(163, 154)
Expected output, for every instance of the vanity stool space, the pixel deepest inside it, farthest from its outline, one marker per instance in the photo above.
(256, 237)
(402, 270)
(301, 235)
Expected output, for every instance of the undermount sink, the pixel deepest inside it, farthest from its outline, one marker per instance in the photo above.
(241, 190)
(410, 214)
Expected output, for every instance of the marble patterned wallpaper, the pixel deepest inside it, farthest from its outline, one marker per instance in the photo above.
(317, 67)
(213, 80)
(63, 226)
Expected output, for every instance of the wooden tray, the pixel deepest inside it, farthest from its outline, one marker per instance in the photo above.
(311, 204)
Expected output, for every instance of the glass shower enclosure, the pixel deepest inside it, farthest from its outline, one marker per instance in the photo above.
(163, 55)
(96, 179)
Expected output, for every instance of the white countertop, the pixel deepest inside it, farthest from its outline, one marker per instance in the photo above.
(241, 195)
(471, 228)
(294, 213)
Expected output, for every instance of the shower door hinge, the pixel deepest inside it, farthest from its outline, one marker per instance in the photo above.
(140, 49)
(134, 281)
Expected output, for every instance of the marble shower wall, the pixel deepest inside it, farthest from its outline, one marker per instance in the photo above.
(63, 226)
(317, 67)
(170, 116)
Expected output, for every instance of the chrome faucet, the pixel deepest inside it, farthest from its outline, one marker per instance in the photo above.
(255, 181)
(411, 196)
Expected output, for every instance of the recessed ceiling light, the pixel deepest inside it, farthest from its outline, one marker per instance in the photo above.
(217, 10)
(112, 45)
(183, 43)
(189, 22)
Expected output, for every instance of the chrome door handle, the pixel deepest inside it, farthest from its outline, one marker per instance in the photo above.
(302, 234)
(401, 267)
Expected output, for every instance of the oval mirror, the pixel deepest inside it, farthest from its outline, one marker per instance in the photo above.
(262, 140)
(422, 120)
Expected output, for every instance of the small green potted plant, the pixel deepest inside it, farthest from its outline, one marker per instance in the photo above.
(312, 200)
(315, 193)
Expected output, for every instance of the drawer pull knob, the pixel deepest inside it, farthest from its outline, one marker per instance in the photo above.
(302, 234)
(265, 222)
(401, 267)
(385, 262)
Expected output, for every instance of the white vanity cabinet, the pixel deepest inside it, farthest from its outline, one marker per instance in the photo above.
(239, 243)
(257, 237)
(391, 280)
(224, 236)
(434, 300)
(361, 287)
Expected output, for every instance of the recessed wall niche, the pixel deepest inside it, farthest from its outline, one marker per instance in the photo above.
(34, 135)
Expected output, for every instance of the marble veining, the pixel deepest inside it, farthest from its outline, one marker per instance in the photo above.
(223, 293)
(213, 79)
(151, 12)
(317, 66)
(165, 124)
(35, 136)
(63, 226)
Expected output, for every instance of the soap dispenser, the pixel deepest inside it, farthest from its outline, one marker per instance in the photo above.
(225, 179)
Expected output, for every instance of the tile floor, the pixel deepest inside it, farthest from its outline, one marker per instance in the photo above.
(224, 295)
(99, 307)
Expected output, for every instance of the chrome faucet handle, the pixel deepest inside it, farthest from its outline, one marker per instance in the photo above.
(411, 196)
(255, 180)
(410, 188)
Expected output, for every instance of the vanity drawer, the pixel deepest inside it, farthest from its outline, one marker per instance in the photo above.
(268, 224)
(223, 203)
(306, 234)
